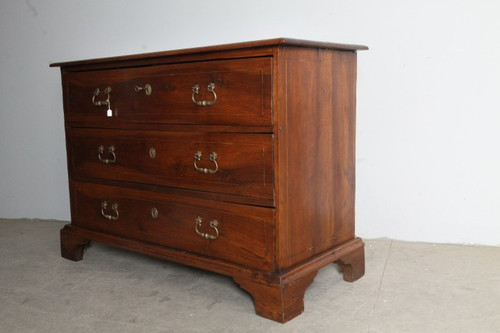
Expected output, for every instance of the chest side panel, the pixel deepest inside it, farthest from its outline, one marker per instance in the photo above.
(316, 152)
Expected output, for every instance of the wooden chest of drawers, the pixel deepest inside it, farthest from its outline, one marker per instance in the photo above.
(238, 159)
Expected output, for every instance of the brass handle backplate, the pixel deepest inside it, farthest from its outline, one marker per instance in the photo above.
(196, 90)
(113, 215)
(213, 224)
(212, 157)
(111, 151)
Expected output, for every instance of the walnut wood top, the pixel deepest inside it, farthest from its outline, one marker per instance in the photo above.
(225, 47)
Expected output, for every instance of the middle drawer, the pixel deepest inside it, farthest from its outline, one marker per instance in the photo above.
(229, 163)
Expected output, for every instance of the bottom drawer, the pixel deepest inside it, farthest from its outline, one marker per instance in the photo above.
(237, 233)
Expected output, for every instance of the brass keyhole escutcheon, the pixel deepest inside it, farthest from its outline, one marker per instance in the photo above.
(147, 89)
(152, 152)
(154, 213)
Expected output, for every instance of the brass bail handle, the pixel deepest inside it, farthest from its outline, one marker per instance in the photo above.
(106, 102)
(111, 151)
(196, 90)
(213, 224)
(113, 215)
(213, 158)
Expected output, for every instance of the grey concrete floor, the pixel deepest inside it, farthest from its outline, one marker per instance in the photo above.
(408, 287)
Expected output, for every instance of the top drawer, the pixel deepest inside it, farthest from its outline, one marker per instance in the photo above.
(223, 92)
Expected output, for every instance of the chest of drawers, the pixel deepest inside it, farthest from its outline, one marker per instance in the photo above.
(238, 159)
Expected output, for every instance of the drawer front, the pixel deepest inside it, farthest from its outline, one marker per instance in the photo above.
(232, 232)
(229, 92)
(236, 164)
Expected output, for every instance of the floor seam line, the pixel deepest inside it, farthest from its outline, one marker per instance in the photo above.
(379, 287)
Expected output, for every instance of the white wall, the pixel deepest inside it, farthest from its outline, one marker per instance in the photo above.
(428, 97)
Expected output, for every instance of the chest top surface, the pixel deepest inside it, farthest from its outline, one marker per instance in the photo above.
(207, 50)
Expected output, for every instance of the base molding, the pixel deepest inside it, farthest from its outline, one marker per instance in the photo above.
(278, 296)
